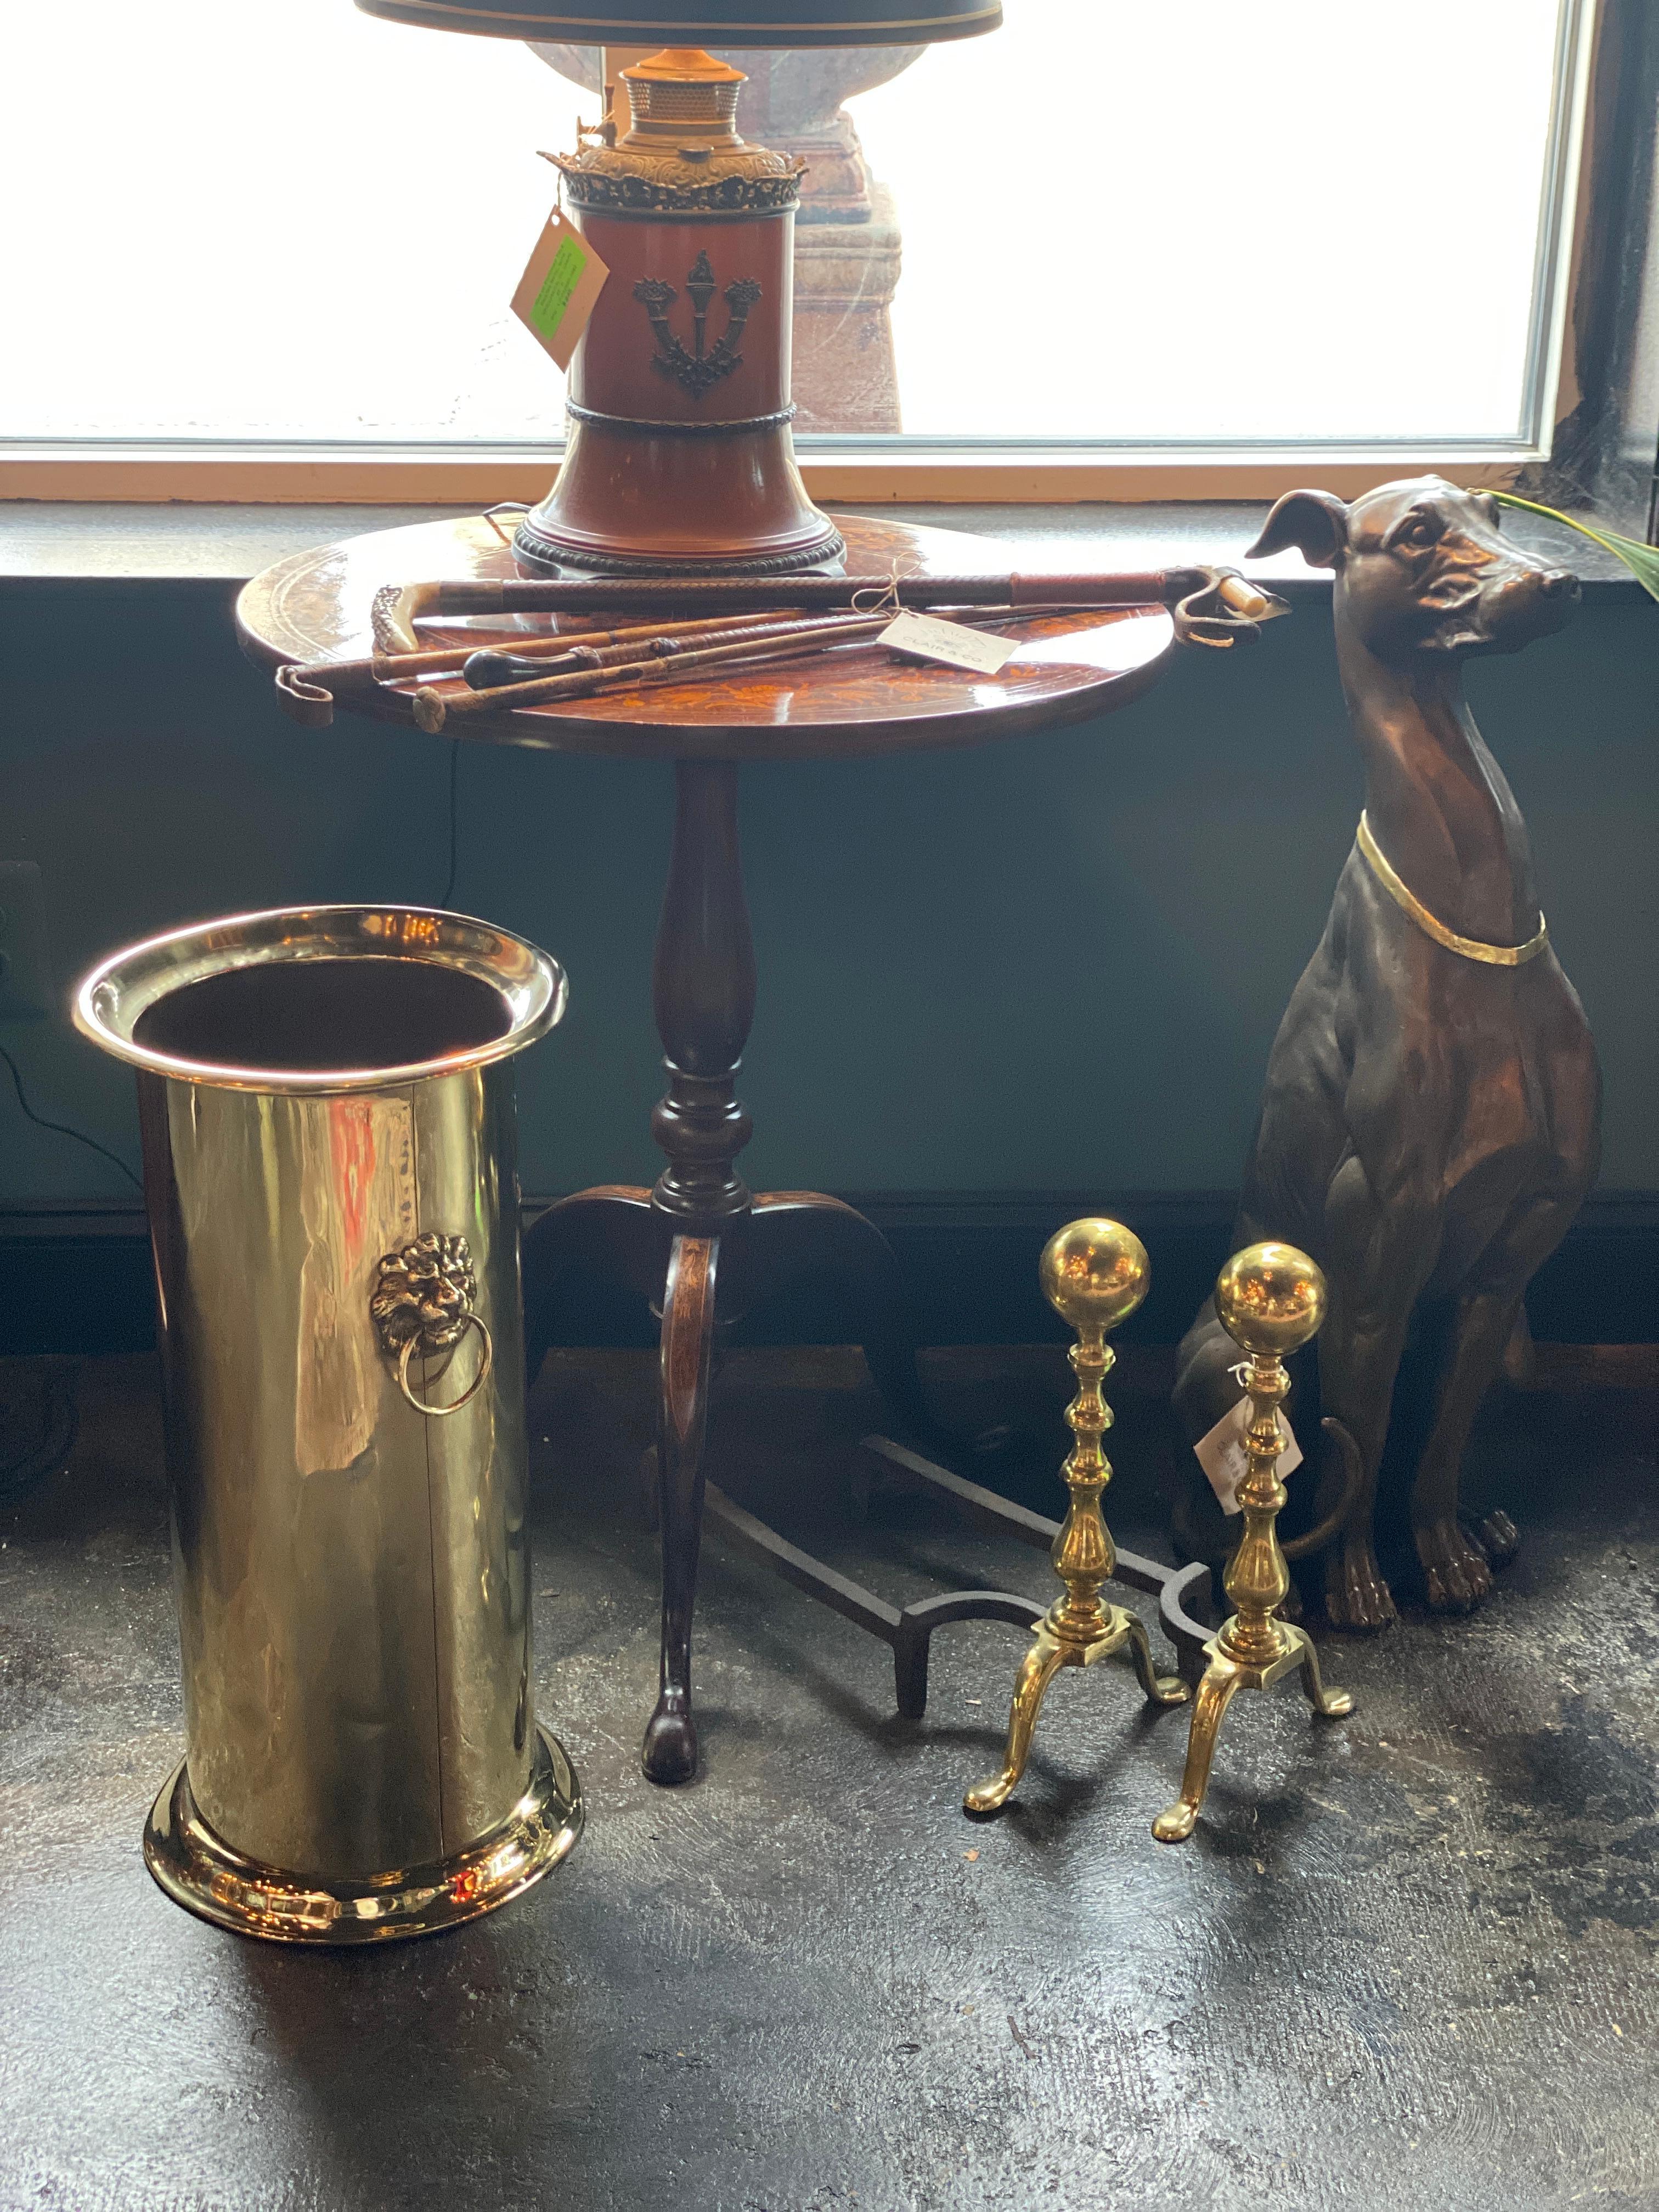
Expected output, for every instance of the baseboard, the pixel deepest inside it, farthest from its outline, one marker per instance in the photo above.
(77, 1279)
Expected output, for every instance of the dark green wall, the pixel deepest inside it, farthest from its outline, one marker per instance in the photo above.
(1054, 963)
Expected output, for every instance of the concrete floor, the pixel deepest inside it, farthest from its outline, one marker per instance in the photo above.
(1407, 1960)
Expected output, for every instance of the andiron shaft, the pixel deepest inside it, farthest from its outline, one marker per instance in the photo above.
(1271, 1300)
(1094, 1274)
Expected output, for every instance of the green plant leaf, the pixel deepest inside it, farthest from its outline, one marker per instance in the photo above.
(1642, 561)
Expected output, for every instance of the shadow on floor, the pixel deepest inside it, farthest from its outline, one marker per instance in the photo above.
(1406, 1958)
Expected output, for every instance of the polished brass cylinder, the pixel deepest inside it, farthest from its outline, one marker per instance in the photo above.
(327, 1108)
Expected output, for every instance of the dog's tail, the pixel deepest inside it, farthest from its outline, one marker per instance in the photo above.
(1353, 1471)
(1205, 1390)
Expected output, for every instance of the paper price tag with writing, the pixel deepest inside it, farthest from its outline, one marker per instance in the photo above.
(1222, 1455)
(951, 643)
(559, 287)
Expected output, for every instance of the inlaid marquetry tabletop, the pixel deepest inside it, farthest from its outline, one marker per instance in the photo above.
(853, 699)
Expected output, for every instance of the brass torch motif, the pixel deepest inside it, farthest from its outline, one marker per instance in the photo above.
(1271, 1300)
(1094, 1274)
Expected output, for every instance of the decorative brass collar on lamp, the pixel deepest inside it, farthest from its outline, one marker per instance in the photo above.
(678, 456)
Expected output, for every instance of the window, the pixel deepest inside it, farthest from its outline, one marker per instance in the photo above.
(1101, 229)
(1306, 220)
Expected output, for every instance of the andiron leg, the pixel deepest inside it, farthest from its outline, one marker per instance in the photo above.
(1038, 1669)
(1221, 1684)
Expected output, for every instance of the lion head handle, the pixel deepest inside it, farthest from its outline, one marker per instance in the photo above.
(425, 1291)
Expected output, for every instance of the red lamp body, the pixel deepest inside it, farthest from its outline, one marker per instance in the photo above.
(676, 460)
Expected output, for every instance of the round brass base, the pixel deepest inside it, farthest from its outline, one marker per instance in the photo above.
(539, 552)
(201, 1872)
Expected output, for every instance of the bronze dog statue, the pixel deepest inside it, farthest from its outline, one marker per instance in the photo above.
(1432, 1118)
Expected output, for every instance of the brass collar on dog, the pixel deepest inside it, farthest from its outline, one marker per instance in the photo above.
(1471, 948)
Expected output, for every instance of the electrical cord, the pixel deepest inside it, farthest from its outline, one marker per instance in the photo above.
(62, 1128)
(41, 1420)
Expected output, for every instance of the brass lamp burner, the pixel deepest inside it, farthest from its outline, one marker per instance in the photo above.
(681, 98)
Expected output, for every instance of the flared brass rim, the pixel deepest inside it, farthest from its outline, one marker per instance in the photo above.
(120, 990)
(200, 1871)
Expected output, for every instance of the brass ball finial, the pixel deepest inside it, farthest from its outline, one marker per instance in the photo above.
(1270, 1299)
(1094, 1274)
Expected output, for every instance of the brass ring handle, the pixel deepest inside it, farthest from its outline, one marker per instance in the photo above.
(441, 1412)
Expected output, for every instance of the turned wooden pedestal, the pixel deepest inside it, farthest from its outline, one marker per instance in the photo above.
(699, 1247)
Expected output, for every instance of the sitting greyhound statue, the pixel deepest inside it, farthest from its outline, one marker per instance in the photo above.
(1432, 1113)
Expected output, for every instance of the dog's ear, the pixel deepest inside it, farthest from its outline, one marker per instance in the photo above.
(1315, 522)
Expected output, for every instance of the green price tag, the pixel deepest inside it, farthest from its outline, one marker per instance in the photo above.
(547, 309)
(559, 289)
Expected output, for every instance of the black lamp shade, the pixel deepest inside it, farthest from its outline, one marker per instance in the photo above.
(741, 23)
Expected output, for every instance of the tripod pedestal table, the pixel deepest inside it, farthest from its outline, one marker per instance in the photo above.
(699, 1247)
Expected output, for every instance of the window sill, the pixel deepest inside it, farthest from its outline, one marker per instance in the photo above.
(72, 541)
(838, 471)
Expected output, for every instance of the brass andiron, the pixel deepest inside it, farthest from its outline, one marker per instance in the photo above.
(1271, 1300)
(1094, 1274)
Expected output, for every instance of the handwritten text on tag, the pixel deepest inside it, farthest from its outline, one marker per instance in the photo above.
(1221, 1453)
(561, 284)
(933, 639)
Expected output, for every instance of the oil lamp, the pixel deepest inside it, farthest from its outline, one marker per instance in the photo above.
(678, 456)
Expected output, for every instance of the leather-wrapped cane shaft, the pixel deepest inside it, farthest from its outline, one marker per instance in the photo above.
(1215, 594)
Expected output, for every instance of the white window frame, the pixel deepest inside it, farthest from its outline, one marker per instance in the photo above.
(912, 469)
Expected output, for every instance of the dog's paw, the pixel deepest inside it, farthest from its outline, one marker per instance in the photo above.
(1498, 1537)
(1356, 1596)
(1456, 1572)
